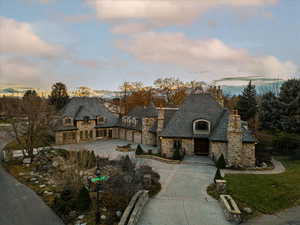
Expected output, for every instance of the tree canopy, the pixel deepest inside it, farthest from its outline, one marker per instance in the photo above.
(59, 95)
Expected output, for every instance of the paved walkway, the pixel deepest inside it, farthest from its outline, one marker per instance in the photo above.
(278, 168)
(183, 199)
(287, 217)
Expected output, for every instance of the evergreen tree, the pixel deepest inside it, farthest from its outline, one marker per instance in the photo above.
(59, 96)
(83, 201)
(221, 163)
(139, 150)
(269, 113)
(289, 100)
(176, 154)
(218, 175)
(247, 105)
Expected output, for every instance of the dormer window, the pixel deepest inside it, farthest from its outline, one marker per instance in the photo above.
(67, 121)
(201, 126)
(100, 119)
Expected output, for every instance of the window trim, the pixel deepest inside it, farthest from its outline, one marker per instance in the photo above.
(196, 131)
(67, 118)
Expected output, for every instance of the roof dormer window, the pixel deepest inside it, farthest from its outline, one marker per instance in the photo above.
(201, 126)
(67, 121)
(100, 120)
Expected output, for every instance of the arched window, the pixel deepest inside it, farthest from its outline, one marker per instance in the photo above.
(201, 126)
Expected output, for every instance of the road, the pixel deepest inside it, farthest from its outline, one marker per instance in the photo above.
(19, 205)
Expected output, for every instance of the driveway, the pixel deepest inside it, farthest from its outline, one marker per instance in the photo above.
(106, 148)
(19, 205)
(183, 199)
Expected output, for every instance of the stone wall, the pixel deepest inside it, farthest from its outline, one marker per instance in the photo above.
(166, 147)
(148, 138)
(129, 135)
(216, 149)
(188, 146)
(122, 133)
(248, 157)
(137, 137)
(59, 138)
(234, 137)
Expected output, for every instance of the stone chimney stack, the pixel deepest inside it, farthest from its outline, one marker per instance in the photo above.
(234, 137)
(160, 123)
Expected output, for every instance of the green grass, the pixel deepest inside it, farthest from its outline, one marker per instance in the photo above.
(267, 193)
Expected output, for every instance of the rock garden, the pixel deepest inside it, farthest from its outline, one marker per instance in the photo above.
(64, 180)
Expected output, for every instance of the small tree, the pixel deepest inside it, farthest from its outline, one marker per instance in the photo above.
(218, 175)
(221, 163)
(83, 200)
(139, 150)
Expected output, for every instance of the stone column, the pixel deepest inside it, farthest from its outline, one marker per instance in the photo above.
(234, 137)
(160, 123)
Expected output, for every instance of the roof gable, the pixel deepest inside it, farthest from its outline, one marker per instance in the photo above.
(196, 106)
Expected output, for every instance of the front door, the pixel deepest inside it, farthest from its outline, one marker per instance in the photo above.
(201, 146)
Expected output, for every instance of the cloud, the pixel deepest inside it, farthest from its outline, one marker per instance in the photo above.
(19, 70)
(19, 38)
(165, 12)
(210, 58)
(131, 28)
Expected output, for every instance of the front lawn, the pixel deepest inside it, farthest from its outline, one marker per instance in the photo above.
(267, 193)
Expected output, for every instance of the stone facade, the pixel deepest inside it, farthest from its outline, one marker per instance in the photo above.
(148, 138)
(216, 149)
(166, 147)
(188, 146)
(248, 159)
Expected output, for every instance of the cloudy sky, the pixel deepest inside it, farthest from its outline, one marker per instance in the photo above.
(101, 43)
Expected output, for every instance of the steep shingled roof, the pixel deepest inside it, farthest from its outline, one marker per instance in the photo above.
(196, 106)
(79, 107)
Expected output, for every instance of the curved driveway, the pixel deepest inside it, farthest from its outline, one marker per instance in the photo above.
(183, 199)
(19, 205)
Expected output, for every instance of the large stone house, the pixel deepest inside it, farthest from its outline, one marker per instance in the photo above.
(200, 126)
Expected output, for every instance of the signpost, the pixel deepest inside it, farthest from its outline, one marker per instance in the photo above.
(102, 178)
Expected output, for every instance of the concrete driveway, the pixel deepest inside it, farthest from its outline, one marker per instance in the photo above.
(183, 199)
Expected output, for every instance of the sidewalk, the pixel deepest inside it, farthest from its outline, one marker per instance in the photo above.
(278, 168)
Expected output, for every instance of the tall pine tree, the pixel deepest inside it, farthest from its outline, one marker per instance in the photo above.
(247, 104)
(269, 113)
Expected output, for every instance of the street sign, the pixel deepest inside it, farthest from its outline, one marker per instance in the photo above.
(102, 178)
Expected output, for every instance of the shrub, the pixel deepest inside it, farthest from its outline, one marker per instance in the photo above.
(218, 175)
(83, 200)
(176, 154)
(286, 143)
(139, 150)
(221, 163)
